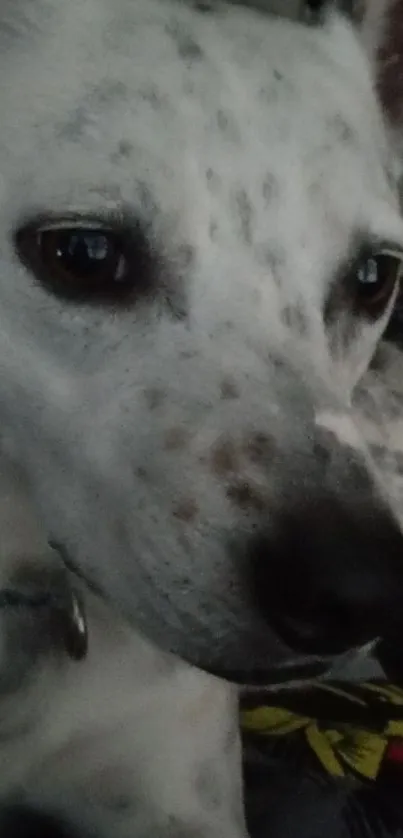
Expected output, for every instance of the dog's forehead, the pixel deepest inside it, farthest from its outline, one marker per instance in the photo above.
(220, 122)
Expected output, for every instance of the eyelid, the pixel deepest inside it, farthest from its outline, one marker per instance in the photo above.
(384, 247)
(118, 221)
(74, 224)
(389, 250)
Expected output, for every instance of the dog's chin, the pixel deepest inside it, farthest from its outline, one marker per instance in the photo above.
(355, 665)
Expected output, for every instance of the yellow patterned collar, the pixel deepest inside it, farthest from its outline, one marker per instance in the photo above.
(351, 729)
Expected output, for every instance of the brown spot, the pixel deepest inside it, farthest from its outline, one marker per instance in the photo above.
(186, 510)
(228, 389)
(175, 439)
(224, 458)
(186, 354)
(258, 447)
(154, 397)
(246, 497)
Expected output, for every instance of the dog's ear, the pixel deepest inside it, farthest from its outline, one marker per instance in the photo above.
(380, 23)
(383, 34)
(373, 18)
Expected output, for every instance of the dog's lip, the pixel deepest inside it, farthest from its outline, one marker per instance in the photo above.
(275, 676)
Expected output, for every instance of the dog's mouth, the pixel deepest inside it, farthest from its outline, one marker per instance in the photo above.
(359, 664)
(295, 672)
(290, 673)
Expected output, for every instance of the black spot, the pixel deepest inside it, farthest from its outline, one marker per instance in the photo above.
(107, 91)
(244, 212)
(270, 188)
(212, 177)
(175, 439)
(229, 390)
(213, 181)
(227, 126)
(74, 126)
(20, 21)
(277, 75)
(204, 7)
(187, 354)
(125, 148)
(272, 258)
(188, 49)
(213, 230)
(152, 96)
(294, 318)
(123, 152)
(154, 397)
(343, 131)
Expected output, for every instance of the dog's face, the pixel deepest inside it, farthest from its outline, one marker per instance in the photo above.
(200, 245)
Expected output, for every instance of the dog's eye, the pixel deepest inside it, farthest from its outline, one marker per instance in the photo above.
(86, 263)
(375, 278)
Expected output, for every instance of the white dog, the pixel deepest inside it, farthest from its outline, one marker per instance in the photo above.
(200, 247)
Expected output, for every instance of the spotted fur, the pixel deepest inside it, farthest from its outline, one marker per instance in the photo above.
(250, 153)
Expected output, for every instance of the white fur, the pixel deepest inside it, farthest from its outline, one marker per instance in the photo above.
(264, 158)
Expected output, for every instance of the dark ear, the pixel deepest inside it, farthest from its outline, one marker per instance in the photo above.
(389, 55)
(380, 23)
(373, 19)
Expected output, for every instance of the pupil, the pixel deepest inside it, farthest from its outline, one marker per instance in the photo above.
(82, 253)
(368, 273)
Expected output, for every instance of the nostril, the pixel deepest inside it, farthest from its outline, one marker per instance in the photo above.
(23, 822)
(308, 620)
(330, 577)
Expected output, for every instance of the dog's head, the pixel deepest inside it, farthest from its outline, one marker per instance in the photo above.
(200, 247)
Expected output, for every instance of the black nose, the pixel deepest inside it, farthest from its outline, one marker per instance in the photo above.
(330, 575)
(22, 822)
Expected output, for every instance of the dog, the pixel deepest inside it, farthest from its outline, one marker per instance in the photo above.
(201, 247)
